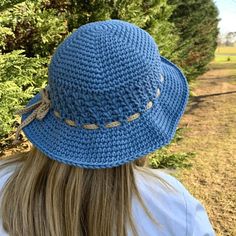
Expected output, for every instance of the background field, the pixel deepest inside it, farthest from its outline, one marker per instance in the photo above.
(210, 133)
(225, 54)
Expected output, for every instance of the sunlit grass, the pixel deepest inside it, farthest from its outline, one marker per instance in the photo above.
(224, 58)
(226, 50)
(225, 54)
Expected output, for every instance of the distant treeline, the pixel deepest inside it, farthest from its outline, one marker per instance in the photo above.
(228, 40)
(185, 31)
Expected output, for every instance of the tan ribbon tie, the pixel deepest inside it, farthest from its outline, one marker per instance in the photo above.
(40, 110)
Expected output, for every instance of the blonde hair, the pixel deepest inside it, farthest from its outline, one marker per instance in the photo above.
(44, 197)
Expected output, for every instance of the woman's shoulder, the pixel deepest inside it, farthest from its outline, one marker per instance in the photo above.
(161, 182)
(5, 172)
(172, 204)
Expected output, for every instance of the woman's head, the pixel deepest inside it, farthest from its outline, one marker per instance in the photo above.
(110, 100)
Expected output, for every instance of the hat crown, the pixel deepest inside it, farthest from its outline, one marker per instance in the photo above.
(105, 71)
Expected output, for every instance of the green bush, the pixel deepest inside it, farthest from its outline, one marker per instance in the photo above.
(5, 4)
(163, 159)
(32, 28)
(20, 79)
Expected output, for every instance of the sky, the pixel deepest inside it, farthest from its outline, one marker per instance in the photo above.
(227, 10)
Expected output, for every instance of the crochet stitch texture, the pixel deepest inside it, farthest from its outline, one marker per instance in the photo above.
(113, 97)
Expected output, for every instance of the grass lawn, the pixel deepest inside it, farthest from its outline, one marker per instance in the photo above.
(224, 58)
(210, 120)
(225, 54)
(226, 50)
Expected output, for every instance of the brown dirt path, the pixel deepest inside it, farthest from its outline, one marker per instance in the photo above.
(211, 132)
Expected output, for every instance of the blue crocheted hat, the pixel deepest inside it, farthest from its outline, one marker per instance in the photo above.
(111, 98)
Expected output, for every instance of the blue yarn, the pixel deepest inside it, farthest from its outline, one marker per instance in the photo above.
(103, 72)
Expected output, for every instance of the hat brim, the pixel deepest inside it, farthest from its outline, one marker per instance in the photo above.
(115, 146)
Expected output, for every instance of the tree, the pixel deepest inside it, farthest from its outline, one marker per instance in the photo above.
(6, 4)
(230, 39)
(196, 21)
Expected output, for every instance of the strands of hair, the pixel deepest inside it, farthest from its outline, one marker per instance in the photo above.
(45, 197)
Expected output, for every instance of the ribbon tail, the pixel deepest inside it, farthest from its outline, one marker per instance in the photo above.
(40, 110)
(23, 124)
(27, 109)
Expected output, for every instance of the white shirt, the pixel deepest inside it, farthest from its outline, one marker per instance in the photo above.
(178, 213)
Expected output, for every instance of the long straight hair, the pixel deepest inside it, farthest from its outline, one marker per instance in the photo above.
(46, 198)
